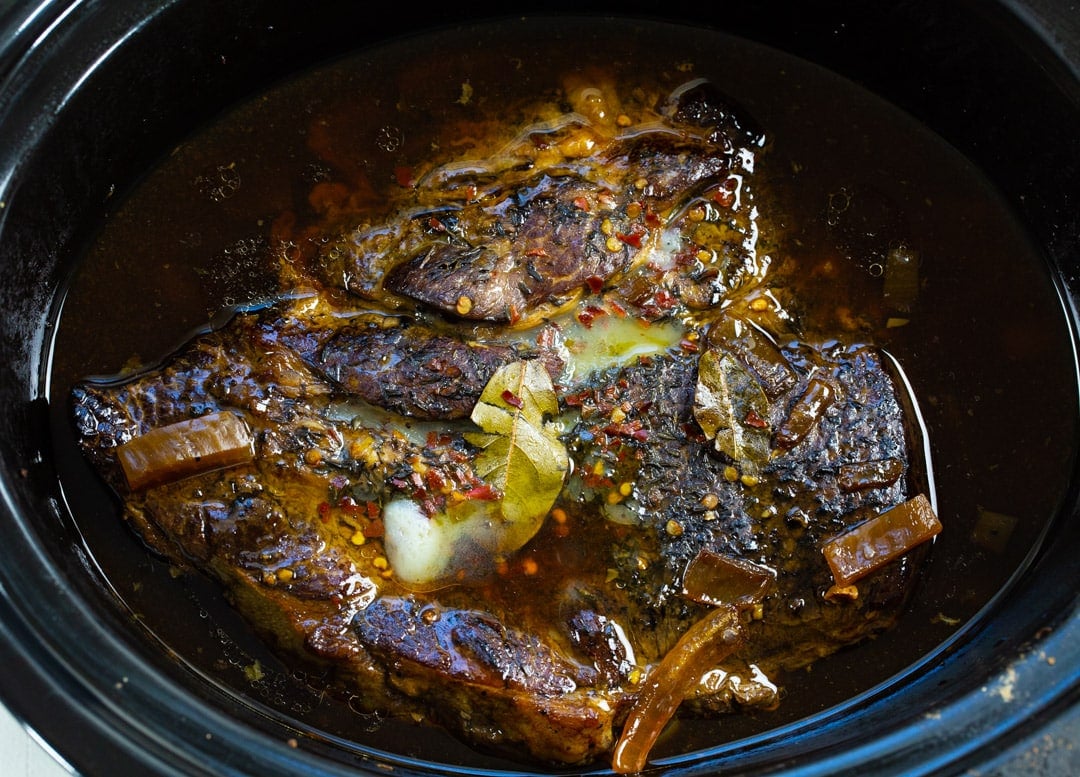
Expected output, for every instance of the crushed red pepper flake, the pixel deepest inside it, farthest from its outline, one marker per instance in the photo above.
(374, 529)
(512, 399)
(597, 482)
(634, 237)
(626, 429)
(348, 505)
(754, 420)
(483, 492)
(723, 197)
(435, 480)
(590, 314)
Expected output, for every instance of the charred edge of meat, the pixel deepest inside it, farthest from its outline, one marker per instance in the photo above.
(499, 687)
(701, 103)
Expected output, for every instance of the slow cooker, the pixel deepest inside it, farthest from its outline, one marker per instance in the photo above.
(93, 93)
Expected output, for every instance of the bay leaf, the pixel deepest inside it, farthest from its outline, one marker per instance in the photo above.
(521, 454)
(732, 410)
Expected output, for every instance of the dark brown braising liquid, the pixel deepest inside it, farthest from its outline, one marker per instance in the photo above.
(846, 181)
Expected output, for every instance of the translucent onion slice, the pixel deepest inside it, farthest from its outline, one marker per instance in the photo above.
(186, 448)
(874, 543)
(715, 579)
(701, 648)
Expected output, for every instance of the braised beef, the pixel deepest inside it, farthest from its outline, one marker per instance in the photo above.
(358, 392)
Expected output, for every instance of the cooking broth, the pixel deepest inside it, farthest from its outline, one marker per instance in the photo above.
(850, 187)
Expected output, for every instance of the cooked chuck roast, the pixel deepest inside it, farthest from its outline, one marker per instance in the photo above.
(569, 206)
(353, 405)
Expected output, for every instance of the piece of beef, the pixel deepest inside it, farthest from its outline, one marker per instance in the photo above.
(540, 243)
(850, 462)
(481, 242)
(295, 538)
(395, 365)
(409, 370)
(352, 408)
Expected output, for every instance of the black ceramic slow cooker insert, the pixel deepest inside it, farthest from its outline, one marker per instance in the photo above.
(93, 94)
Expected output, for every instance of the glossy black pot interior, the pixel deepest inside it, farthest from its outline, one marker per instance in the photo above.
(93, 93)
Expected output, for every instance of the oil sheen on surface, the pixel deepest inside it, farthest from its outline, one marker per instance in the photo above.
(853, 188)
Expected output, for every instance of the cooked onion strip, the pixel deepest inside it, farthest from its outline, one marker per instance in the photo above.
(186, 448)
(701, 648)
(714, 579)
(876, 542)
